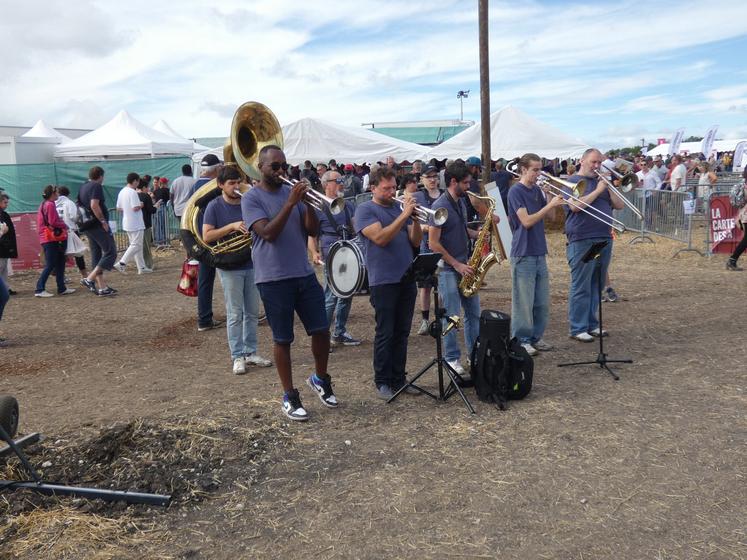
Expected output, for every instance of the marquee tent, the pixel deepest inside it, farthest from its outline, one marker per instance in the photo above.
(43, 130)
(163, 126)
(512, 134)
(123, 136)
(694, 147)
(318, 140)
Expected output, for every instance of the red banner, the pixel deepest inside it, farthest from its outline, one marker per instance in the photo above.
(27, 238)
(725, 235)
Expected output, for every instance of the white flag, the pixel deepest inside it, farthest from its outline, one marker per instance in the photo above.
(707, 144)
(674, 145)
(738, 155)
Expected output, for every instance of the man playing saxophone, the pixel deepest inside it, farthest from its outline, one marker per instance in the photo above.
(451, 239)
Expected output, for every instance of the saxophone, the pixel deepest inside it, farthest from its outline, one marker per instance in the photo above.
(469, 285)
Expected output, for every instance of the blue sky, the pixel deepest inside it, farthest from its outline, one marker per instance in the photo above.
(608, 73)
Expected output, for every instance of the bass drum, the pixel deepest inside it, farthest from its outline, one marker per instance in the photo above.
(347, 275)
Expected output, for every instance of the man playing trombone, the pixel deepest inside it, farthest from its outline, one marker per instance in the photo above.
(588, 220)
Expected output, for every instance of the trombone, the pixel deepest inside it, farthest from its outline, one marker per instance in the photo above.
(628, 182)
(318, 200)
(425, 215)
(556, 186)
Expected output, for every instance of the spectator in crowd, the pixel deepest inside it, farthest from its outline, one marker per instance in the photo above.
(731, 264)
(103, 250)
(503, 178)
(181, 189)
(133, 224)
(660, 169)
(8, 244)
(474, 168)
(408, 183)
(353, 185)
(367, 177)
(148, 211)
(679, 174)
(68, 211)
(706, 180)
(309, 173)
(390, 163)
(161, 197)
(53, 238)
(425, 199)
(417, 170)
(321, 169)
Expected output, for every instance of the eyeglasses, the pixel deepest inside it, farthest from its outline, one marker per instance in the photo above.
(339, 181)
(277, 166)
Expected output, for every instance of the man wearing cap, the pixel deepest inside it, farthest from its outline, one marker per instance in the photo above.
(425, 198)
(181, 189)
(353, 185)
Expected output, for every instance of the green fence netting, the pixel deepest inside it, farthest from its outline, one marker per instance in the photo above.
(24, 183)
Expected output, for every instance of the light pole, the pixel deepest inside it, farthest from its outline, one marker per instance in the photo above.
(461, 94)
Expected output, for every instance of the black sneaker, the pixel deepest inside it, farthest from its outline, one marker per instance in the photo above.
(88, 284)
(732, 265)
(104, 292)
(293, 408)
(214, 325)
(323, 389)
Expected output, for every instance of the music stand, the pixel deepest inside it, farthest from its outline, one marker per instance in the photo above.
(593, 254)
(423, 268)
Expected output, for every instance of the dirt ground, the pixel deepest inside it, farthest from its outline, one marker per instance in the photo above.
(128, 395)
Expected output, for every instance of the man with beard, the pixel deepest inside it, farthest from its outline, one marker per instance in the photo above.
(281, 222)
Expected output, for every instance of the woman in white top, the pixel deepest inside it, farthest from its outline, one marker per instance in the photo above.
(706, 181)
(68, 211)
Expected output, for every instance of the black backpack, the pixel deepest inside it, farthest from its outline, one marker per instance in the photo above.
(500, 367)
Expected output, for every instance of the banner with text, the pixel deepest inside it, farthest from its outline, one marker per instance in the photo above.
(724, 231)
(737, 162)
(674, 145)
(707, 143)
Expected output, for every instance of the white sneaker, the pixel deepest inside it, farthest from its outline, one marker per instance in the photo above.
(531, 350)
(542, 346)
(423, 328)
(597, 333)
(456, 366)
(239, 366)
(145, 271)
(257, 360)
(43, 293)
(67, 291)
(119, 267)
(583, 337)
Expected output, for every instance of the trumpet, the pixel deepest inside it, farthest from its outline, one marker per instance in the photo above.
(629, 180)
(426, 215)
(318, 200)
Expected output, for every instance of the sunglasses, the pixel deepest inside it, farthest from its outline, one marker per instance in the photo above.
(277, 166)
(339, 181)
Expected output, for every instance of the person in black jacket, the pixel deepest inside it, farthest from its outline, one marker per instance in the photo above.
(8, 245)
(148, 210)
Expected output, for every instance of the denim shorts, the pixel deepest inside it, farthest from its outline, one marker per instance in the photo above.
(282, 297)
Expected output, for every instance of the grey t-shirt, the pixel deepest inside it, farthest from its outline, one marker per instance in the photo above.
(454, 236)
(286, 257)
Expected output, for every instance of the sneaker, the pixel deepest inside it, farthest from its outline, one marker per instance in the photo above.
(214, 325)
(345, 339)
(85, 282)
(611, 294)
(409, 389)
(119, 267)
(262, 319)
(239, 366)
(384, 392)
(542, 346)
(12, 292)
(67, 291)
(43, 293)
(531, 350)
(583, 337)
(293, 408)
(424, 327)
(257, 360)
(106, 292)
(732, 265)
(604, 297)
(145, 271)
(456, 366)
(323, 389)
(596, 333)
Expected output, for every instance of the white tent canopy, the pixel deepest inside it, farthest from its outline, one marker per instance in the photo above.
(123, 136)
(319, 141)
(512, 134)
(43, 130)
(163, 126)
(694, 147)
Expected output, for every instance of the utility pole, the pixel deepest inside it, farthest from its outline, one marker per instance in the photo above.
(484, 89)
(461, 94)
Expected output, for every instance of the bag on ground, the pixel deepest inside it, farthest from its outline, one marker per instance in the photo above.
(188, 280)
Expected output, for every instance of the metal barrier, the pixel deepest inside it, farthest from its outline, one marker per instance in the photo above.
(165, 228)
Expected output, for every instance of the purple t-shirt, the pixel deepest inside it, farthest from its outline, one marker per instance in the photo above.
(385, 265)
(287, 256)
(424, 199)
(219, 213)
(579, 225)
(454, 236)
(526, 242)
(329, 232)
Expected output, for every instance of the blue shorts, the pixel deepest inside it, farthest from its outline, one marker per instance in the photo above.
(282, 297)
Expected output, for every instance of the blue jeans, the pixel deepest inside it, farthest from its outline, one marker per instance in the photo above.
(159, 225)
(452, 299)
(530, 298)
(586, 284)
(205, 282)
(393, 306)
(242, 310)
(4, 296)
(54, 259)
(342, 306)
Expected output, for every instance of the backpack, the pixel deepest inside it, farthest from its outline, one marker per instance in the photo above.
(500, 367)
(736, 195)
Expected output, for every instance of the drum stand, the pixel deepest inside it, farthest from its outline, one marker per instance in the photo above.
(456, 381)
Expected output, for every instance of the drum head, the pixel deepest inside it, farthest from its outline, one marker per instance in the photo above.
(345, 269)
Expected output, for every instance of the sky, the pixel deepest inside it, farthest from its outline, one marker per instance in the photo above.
(608, 73)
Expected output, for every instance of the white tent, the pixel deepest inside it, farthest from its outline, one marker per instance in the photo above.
(43, 130)
(694, 147)
(163, 126)
(512, 134)
(121, 137)
(318, 140)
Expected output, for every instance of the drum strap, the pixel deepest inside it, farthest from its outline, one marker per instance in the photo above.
(344, 231)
